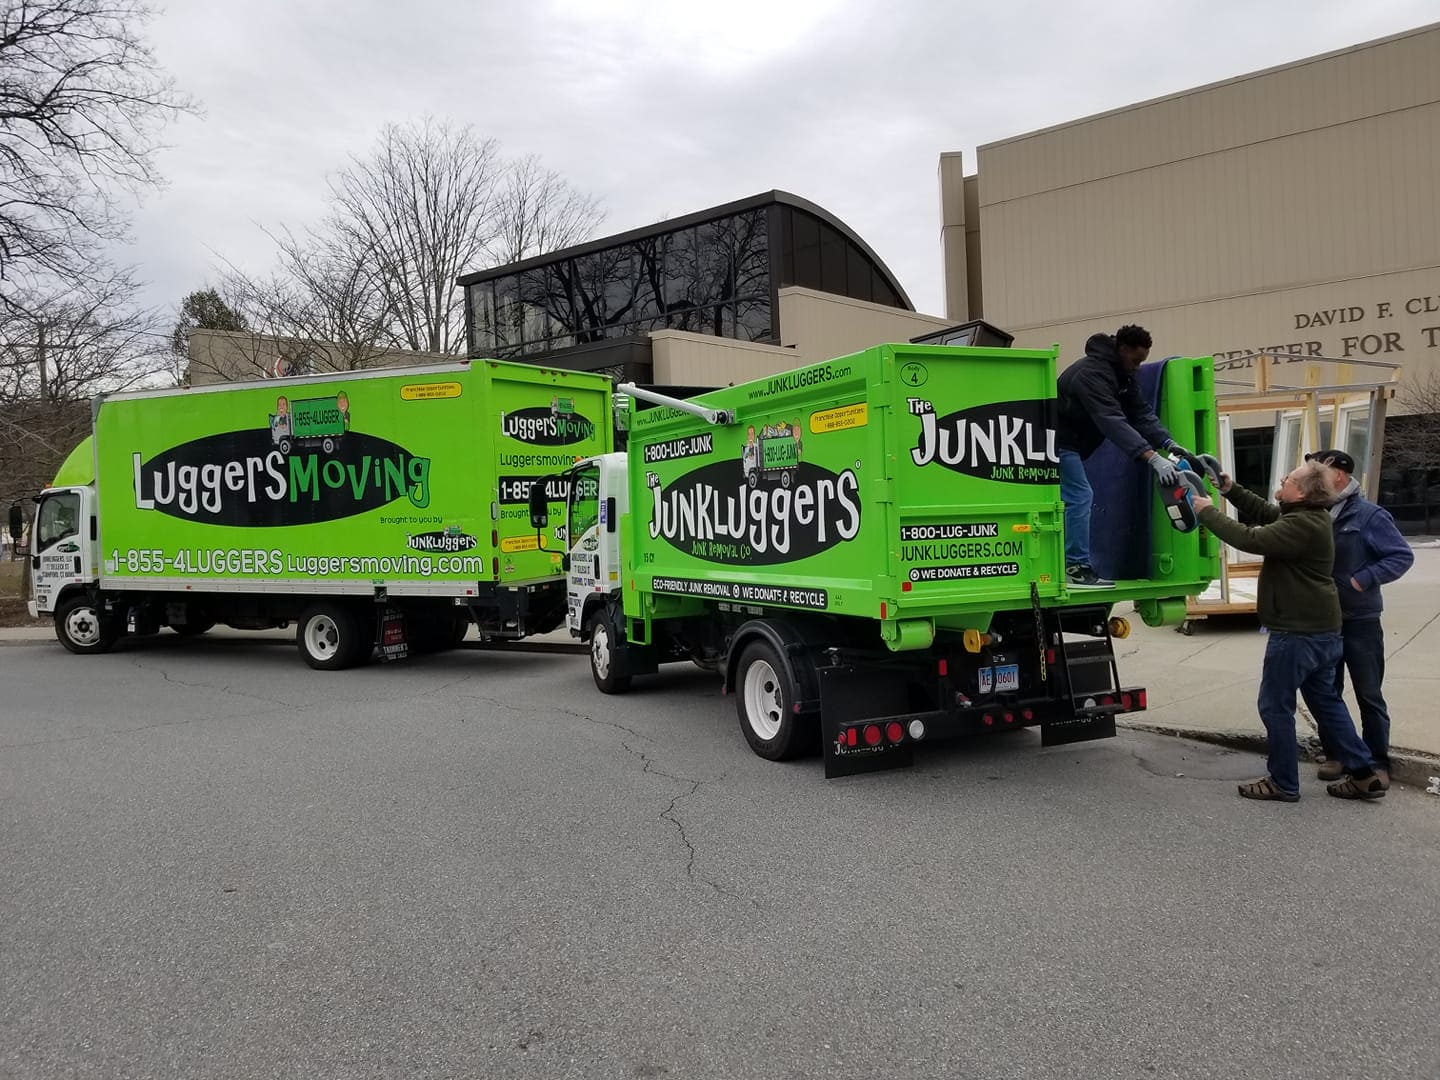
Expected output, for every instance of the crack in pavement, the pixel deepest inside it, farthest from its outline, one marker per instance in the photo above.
(1200, 650)
(146, 727)
(204, 686)
(1413, 636)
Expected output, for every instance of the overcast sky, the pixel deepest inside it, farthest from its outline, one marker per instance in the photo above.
(665, 108)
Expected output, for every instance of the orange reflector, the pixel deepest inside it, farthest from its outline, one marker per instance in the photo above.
(906, 586)
(882, 609)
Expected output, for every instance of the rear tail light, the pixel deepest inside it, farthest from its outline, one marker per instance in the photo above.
(1140, 699)
(1126, 702)
(850, 737)
(872, 735)
(944, 668)
(894, 732)
(987, 719)
(1009, 718)
(1028, 714)
(1050, 656)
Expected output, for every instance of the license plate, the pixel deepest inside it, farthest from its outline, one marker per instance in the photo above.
(1007, 677)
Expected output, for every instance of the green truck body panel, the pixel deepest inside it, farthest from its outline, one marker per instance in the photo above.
(407, 479)
(914, 485)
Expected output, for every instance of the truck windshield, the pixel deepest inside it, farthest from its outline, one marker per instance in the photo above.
(584, 502)
(59, 519)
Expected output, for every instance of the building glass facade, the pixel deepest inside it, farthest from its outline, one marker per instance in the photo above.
(717, 272)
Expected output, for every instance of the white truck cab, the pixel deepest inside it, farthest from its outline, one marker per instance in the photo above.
(598, 496)
(63, 561)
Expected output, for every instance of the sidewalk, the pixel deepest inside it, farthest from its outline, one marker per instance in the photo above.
(1205, 685)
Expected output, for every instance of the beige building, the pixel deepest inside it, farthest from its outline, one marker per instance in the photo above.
(1291, 210)
(218, 356)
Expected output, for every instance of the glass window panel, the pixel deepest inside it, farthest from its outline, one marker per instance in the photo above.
(715, 277)
(832, 261)
(508, 315)
(681, 270)
(858, 277)
(534, 303)
(589, 286)
(807, 251)
(621, 268)
(752, 255)
(649, 268)
(482, 317)
(787, 245)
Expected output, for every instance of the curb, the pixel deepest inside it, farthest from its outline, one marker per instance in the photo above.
(1408, 767)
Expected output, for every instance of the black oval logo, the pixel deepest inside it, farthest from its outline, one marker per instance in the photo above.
(245, 478)
(540, 426)
(1011, 441)
(720, 514)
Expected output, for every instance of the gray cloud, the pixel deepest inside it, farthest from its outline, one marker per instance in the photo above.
(663, 108)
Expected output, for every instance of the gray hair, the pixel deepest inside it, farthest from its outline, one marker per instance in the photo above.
(1313, 480)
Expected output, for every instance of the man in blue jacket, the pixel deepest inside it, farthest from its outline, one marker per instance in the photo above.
(1369, 552)
(1099, 399)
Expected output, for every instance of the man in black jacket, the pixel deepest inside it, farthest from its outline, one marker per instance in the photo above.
(1100, 399)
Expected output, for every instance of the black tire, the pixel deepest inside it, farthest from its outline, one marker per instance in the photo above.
(84, 628)
(332, 637)
(604, 633)
(285, 447)
(752, 478)
(328, 445)
(787, 478)
(765, 696)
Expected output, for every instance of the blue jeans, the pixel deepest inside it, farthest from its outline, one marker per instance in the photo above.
(1305, 662)
(1075, 493)
(1365, 657)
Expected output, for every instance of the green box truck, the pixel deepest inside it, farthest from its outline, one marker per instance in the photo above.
(383, 507)
(869, 550)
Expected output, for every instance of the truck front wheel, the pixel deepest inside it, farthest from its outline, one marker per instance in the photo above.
(766, 705)
(332, 637)
(604, 635)
(83, 627)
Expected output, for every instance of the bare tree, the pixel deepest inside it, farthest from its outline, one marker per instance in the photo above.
(81, 104)
(58, 349)
(538, 211)
(421, 207)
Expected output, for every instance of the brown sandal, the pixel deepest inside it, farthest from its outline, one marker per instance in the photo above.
(1369, 788)
(1267, 789)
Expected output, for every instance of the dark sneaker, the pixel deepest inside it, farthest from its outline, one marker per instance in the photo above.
(1082, 577)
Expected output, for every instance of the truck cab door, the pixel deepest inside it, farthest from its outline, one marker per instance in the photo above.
(63, 545)
(583, 530)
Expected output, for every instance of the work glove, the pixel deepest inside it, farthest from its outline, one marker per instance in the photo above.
(1212, 468)
(1179, 451)
(1165, 470)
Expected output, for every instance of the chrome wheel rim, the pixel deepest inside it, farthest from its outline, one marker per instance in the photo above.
(764, 702)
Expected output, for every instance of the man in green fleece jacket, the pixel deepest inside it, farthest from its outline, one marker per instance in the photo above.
(1301, 610)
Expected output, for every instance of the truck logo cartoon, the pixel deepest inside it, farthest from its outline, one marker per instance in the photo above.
(309, 423)
(773, 455)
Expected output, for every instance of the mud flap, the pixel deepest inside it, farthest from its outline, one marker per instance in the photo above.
(848, 696)
(1081, 727)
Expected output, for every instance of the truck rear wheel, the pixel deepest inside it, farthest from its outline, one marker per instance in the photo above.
(332, 637)
(604, 635)
(765, 703)
(83, 627)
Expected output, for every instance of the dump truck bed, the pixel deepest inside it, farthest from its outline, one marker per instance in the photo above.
(914, 485)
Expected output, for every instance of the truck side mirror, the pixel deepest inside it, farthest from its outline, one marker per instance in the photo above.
(539, 505)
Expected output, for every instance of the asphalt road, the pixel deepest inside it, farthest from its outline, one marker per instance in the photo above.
(217, 863)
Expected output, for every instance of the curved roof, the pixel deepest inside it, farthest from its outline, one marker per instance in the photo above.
(660, 228)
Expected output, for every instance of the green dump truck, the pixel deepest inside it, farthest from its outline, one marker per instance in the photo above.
(869, 550)
(383, 508)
